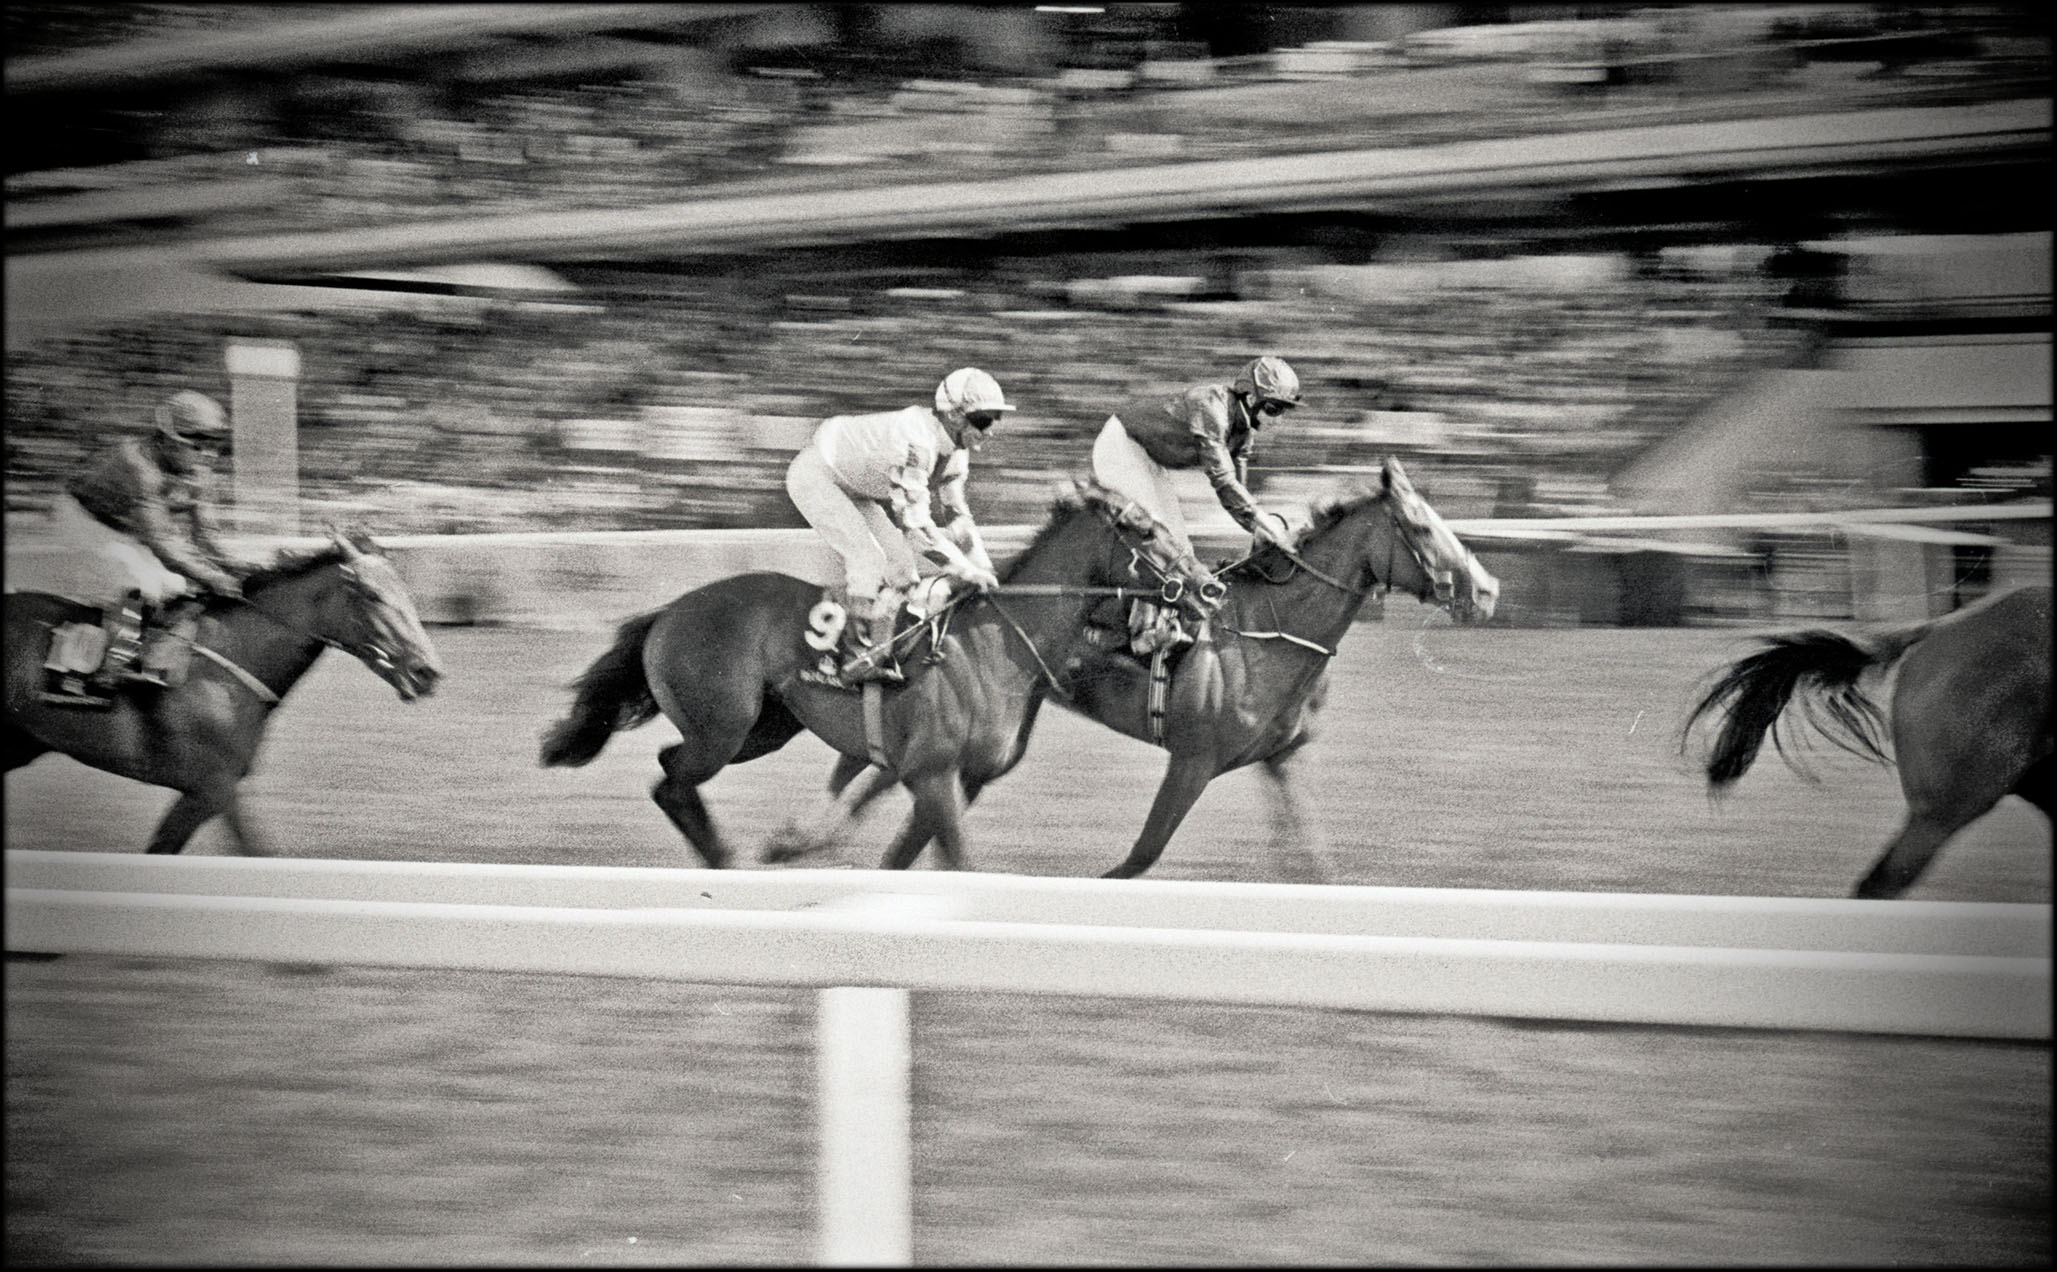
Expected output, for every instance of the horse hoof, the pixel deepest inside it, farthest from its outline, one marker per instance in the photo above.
(780, 849)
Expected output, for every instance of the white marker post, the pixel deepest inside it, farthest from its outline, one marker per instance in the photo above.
(264, 379)
(866, 1184)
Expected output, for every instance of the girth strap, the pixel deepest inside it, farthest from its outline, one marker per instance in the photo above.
(1160, 680)
(875, 724)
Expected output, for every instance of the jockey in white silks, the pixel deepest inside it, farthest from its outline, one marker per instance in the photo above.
(1211, 427)
(136, 528)
(865, 483)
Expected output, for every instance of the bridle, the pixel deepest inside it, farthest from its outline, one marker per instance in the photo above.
(1442, 582)
(368, 651)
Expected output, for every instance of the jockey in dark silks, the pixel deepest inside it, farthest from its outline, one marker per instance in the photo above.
(137, 521)
(1211, 427)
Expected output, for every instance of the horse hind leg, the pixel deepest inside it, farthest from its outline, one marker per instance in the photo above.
(2035, 782)
(678, 794)
(1907, 854)
(18, 748)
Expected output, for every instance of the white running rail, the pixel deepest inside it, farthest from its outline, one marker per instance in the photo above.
(865, 938)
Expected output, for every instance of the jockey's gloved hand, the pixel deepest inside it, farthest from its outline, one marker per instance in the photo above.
(1270, 530)
(983, 580)
(226, 587)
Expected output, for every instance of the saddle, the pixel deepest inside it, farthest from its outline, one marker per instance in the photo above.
(831, 633)
(76, 658)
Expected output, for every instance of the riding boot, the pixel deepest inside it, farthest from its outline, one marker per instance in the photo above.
(1153, 627)
(873, 657)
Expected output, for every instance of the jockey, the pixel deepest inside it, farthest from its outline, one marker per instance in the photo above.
(865, 483)
(1212, 427)
(137, 520)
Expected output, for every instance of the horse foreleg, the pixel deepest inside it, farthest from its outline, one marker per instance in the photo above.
(187, 814)
(849, 799)
(678, 794)
(1293, 833)
(1186, 777)
(939, 804)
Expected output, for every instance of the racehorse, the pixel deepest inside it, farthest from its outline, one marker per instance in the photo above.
(200, 735)
(1970, 720)
(724, 664)
(1248, 690)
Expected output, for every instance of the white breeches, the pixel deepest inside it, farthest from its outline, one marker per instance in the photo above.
(100, 564)
(874, 551)
(1127, 469)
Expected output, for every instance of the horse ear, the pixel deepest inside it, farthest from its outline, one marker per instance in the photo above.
(1394, 477)
(343, 544)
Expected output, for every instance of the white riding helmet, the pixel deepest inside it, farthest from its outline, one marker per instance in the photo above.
(1269, 379)
(969, 389)
(189, 416)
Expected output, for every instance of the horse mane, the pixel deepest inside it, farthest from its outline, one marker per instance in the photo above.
(1333, 509)
(1070, 499)
(1322, 518)
(292, 565)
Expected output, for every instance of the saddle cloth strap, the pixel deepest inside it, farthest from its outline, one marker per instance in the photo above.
(875, 724)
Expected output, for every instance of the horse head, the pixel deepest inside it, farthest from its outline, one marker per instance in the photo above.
(378, 624)
(1452, 573)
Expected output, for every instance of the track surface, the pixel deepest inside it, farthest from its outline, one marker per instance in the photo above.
(196, 1112)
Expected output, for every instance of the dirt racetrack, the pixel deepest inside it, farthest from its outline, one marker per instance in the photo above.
(185, 1111)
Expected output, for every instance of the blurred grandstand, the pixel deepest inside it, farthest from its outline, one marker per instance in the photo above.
(1521, 347)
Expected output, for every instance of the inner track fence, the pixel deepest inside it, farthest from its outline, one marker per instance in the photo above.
(864, 939)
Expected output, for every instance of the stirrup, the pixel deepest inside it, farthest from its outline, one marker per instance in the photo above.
(872, 662)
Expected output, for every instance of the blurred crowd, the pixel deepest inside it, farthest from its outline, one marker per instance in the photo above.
(1515, 389)
(457, 414)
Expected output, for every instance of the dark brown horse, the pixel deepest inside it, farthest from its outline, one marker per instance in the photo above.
(1247, 693)
(724, 664)
(200, 736)
(1971, 718)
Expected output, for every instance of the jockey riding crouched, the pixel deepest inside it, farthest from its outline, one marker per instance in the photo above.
(1212, 427)
(138, 526)
(865, 482)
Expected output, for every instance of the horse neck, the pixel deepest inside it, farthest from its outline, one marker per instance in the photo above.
(1319, 610)
(278, 632)
(1053, 618)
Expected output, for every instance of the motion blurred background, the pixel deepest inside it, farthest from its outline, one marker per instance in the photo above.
(602, 267)
(556, 277)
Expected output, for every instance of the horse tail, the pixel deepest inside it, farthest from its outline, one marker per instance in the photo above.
(613, 694)
(1821, 669)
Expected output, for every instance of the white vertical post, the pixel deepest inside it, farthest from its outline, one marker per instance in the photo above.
(865, 1163)
(263, 380)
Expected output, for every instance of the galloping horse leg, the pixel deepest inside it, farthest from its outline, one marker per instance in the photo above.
(19, 748)
(1907, 854)
(849, 798)
(2035, 784)
(187, 814)
(678, 794)
(1293, 833)
(939, 804)
(1184, 779)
